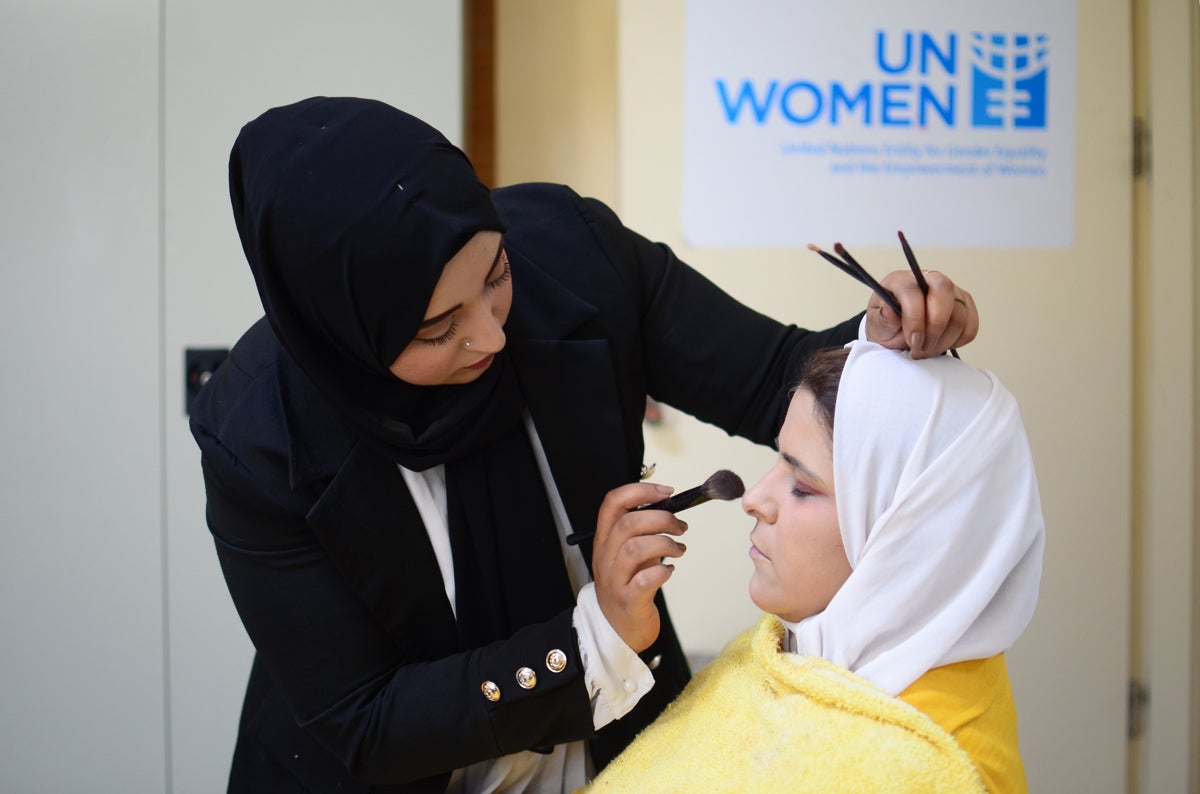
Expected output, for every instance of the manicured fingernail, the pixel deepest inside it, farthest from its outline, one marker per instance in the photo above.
(682, 524)
(914, 342)
(682, 547)
(665, 490)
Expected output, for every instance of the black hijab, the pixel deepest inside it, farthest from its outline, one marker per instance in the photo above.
(348, 210)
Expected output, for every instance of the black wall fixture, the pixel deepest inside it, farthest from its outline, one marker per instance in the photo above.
(199, 364)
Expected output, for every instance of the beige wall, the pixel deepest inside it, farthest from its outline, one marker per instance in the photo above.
(556, 97)
(1098, 343)
(1040, 309)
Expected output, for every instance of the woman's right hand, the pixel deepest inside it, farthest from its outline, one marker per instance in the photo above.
(627, 559)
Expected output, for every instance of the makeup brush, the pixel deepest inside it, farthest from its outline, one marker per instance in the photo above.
(723, 485)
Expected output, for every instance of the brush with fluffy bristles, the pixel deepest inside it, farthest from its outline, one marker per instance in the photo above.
(723, 485)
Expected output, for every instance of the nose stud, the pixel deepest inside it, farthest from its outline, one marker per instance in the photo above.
(467, 344)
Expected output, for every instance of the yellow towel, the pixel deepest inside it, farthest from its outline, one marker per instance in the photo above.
(758, 720)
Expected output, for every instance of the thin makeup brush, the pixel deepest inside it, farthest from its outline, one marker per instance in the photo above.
(723, 485)
(868, 279)
(912, 263)
(851, 267)
(839, 264)
(916, 269)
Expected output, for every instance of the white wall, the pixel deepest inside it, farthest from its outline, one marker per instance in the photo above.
(81, 585)
(122, 661)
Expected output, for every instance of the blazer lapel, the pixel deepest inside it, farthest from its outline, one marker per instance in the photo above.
(577, 416)
(370, 526)
(570, 388)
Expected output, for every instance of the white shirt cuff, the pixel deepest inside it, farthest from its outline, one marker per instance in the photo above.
(616, 677)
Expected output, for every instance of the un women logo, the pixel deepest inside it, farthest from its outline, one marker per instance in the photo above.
(1008, 80)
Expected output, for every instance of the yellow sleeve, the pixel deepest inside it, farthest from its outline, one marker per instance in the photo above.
(973, 702)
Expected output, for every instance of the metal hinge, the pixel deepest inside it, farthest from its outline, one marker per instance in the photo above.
(1139, 701)
(1141, 148)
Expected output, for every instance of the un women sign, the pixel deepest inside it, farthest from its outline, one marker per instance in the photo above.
(812, 121)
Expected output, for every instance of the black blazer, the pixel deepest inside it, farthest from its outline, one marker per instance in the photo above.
(359, 683)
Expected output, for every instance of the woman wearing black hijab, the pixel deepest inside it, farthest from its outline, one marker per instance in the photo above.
(447, 381)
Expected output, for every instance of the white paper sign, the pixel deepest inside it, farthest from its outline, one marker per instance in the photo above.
(815, 121)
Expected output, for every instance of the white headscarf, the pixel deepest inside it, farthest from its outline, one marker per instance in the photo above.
(940, 516)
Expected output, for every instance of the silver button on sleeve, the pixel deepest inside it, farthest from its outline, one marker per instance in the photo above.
(526, 678)
(556, 661)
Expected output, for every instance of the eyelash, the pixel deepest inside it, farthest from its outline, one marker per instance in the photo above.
(504, 276)
(799, 493)
(446, 337)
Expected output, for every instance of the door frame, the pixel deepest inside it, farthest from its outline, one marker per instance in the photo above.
(1166, 536)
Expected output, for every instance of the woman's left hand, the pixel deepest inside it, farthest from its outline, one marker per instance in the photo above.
(928, 325)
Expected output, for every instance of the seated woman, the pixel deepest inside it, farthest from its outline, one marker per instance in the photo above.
(898, 551)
